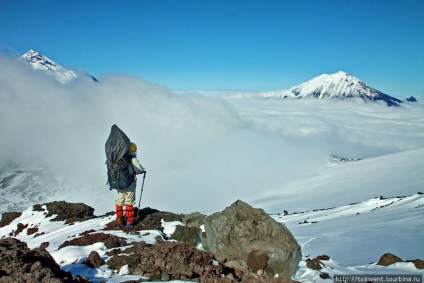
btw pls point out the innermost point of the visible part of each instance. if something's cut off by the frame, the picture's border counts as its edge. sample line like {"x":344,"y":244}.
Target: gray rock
{"x":169,"y":217}
{"x":94,"y":260}
{"x":240,"y":228}
{"x":186,"y":234}
{"x":194,"y":219}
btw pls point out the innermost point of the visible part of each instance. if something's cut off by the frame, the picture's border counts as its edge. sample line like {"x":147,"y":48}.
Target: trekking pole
{"x":141,"y":192}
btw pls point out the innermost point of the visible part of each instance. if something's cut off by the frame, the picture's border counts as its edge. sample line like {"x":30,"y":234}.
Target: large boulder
{"x":239,"y":229}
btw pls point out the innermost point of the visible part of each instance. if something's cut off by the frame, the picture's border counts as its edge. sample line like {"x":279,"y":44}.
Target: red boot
{"x":119,"y":213}
{"x":130,"y":214}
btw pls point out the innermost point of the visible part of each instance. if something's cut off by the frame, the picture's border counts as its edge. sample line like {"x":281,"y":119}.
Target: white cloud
{"x":199,"y":152}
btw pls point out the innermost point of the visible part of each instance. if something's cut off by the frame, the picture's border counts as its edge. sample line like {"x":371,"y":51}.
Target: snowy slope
{"x":22,"y":187}
{"x":391,"y":175}
{"x":340,"y":85}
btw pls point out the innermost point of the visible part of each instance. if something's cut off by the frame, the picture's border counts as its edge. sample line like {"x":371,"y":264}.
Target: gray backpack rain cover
{"x":116,"y":145}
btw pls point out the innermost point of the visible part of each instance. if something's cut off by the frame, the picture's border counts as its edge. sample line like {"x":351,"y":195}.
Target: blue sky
{"x":240,"y":45}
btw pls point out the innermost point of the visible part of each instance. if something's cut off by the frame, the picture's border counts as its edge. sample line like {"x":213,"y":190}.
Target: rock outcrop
{"x":268,"y":247}
{"x":18,"y":263}
{"x":389,"y":258}
{"x":8,"y":217}
{"x":65,"y":211}
{"x":411,"y":99}
{"x":110,"y":241}
{"x":168,"y":260}
{"x":239,"y":229}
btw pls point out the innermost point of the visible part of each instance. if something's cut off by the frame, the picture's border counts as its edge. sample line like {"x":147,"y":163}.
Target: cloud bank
{"x":201,"y":152}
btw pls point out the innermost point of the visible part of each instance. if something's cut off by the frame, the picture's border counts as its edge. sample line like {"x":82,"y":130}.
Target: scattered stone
{"x":388,"y":259}
{"x":240,"y":228}
{"x":268,"y":270}
{"x":220,"y":257}
{"x":307,"y":222}
{"x":419,"y":263}
{"x":238,"y":267}
{"x":82,"y":278}
{"x":180,"y":261}
{"x":44,"y":245}
{"x":87,"y":232}
{"x":94,"y":260}
{"x":324,"y":275}
{"x":39,"y":234}
{"x":257,"y":260}
{"x":322,"y":257}
{"x":314,"y":264}
{"x":21,"y":227}
{"x":31,"y":231}
{"x":8,"y":217}
{"x":110,"y":241}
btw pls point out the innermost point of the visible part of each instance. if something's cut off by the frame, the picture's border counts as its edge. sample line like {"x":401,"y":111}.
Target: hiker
{"x":126,"y":196}
{"x":122,"y":168}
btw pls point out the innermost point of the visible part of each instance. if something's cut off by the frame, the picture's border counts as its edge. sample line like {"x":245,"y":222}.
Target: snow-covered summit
{"x":341,"y":85}
{"x":41,"y":62}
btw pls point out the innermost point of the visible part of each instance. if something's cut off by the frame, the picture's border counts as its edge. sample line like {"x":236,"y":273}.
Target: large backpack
{"x":118,"y":160}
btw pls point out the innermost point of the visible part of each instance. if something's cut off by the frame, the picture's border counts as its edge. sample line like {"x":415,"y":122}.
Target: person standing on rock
{"x":126,"y":196}
{"x":123,"y":167}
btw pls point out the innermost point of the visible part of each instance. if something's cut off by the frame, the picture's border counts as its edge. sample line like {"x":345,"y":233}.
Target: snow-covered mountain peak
{"x":41,"y":62}
{"x":340,"y":85}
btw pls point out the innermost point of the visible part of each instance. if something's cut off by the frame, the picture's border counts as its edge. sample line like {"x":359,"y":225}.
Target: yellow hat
{"x":133,"y":147}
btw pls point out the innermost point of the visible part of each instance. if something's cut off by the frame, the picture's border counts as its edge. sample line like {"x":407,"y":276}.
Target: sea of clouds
{"x":201,"y":152}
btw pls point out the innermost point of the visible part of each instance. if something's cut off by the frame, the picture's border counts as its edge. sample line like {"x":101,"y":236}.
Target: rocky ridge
{"x":179,"y":255}
{"x":198,"y":249}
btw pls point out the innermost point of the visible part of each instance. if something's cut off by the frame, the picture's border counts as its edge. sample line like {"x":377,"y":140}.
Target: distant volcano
{"x":340,"y":85}
{"x":40,"y":62}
